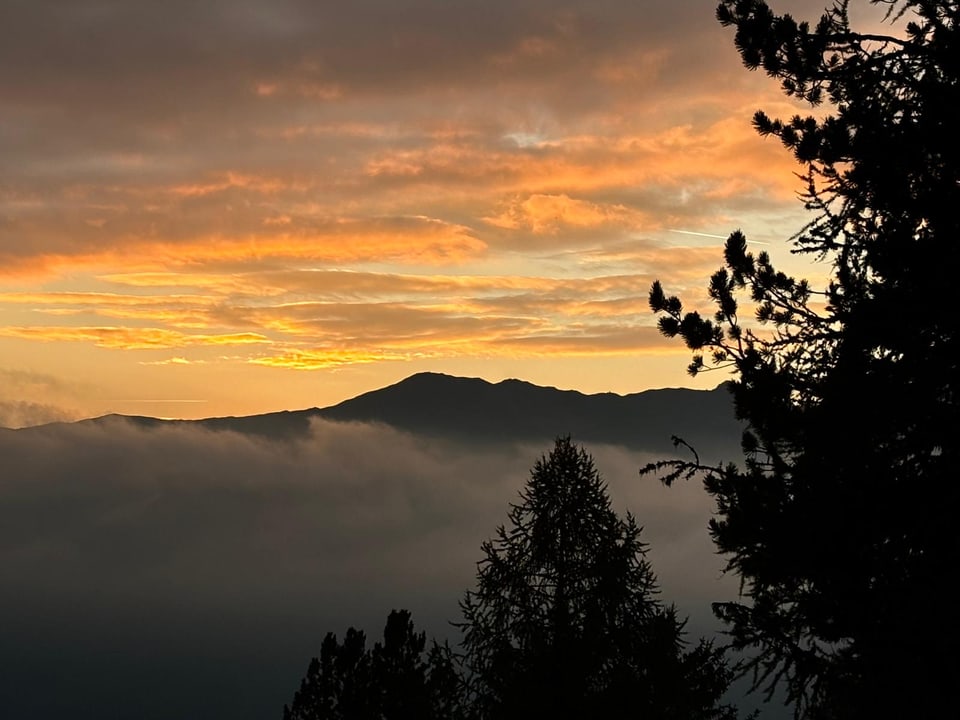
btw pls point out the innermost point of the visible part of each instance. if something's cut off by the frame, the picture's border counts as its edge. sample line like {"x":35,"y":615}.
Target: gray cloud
{"x":367,"y":110}
{"x":130,"y":46}
{"x":23,"y":413}
{"x":33,"y":398}
{"x":220,"y":561}
{"x":176,"y":83}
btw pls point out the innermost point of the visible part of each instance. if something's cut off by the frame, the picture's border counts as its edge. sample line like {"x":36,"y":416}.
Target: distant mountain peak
{"x":473,"y":409}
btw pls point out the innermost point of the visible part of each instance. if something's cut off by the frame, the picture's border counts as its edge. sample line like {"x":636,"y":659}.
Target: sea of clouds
{"x":180,"y":572}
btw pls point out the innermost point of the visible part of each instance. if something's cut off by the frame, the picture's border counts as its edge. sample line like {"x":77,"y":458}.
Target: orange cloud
{"x":551,"y":214}
{"x":98,"y":299}
{"x":588,"y":162}
{"x":402,"y":240}
{"x":128,"y":338}
{"x":325,"y":359}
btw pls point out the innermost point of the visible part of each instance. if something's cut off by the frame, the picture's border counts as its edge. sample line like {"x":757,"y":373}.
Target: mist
{"x":181,"y":572}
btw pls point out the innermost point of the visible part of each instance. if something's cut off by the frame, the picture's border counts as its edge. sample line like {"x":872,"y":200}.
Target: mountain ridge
{"x":512,"y":410}
{"x":477,"y":410}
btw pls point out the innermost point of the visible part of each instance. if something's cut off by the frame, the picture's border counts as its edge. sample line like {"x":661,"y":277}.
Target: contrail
{"x":700,"y":234}
{"x":711,"y":235}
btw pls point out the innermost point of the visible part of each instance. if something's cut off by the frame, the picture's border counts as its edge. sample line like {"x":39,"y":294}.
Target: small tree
{"x":393,"y":681}
{"x":565,"y":621}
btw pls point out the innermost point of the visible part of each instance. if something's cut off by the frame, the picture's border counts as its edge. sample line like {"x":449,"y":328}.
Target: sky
{"x":238,"y":206}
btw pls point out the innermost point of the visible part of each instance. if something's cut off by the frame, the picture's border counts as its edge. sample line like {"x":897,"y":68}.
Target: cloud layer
{"x":179,"y":572}
{"x":294,"y":186}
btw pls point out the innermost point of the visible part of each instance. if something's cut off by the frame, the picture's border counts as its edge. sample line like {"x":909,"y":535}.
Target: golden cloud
{"x":551,"y":214}
{"x":325,"y":359}
{"x":403,"y":240}
{"x":129,"y":338}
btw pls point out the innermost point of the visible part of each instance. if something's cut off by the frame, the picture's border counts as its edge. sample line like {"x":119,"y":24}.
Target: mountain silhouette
{"x":474,"y":409}
{"x":478,"y":411}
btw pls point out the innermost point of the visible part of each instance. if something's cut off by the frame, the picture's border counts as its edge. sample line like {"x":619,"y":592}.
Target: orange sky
{"x":236,"y":207}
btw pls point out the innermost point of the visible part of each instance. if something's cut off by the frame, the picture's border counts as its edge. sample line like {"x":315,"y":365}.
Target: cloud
{"x":325,"y":359}
{"x":159,"y":238}
{"x":223,"y":559}
{"x":120,"y":338}
{"x":371,"y":47}
{"x":34,"y":398}
{"x":23,"y":413}
{"x":329,"y":318}
{"x":179,"y":175}
{"x":551,"y":214}
{"x":158,"y":139}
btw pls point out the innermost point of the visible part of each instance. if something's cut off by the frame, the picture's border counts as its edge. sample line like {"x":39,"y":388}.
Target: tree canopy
{"x":840,"y":518}
{"x":565,"y":620}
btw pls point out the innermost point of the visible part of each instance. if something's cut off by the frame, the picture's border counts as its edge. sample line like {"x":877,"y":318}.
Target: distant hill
{"x":474,"y":410}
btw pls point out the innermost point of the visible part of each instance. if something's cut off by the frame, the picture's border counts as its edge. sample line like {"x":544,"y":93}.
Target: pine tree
{"x":565,"y":620}
{"x":840,"y":519}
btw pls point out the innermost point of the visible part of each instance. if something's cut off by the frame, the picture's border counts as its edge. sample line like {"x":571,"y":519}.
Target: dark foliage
{"x":840,"y":521}
{"x":396,"y":680}
{"x":565,"y":621}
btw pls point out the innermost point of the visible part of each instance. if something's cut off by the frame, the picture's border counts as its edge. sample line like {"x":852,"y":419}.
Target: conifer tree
{"x":840,"y":518}
{"x":565,"y":620}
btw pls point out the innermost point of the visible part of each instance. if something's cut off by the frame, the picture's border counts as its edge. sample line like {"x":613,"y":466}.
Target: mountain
{"x":474,"y":409}
{"x":477,"y":411}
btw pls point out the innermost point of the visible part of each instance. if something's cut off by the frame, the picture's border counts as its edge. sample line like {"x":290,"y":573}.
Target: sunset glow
{"x":243,"y":207}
